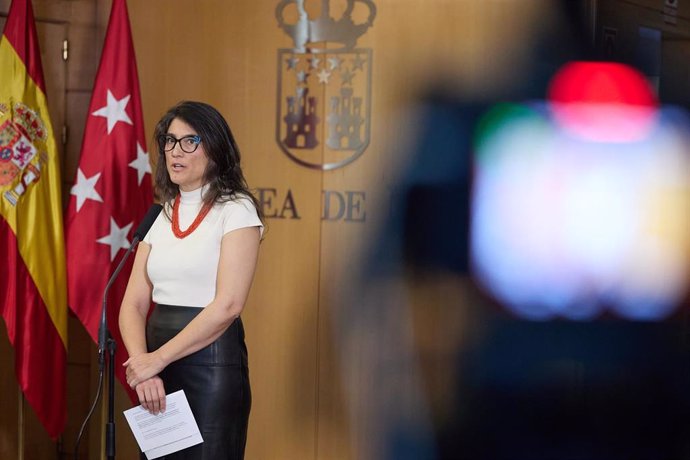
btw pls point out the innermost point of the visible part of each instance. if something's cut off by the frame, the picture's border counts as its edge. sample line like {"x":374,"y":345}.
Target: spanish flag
{"x":33,"y":290}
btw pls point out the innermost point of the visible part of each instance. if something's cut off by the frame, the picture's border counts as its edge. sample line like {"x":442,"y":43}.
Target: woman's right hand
{"x":151,"y":394}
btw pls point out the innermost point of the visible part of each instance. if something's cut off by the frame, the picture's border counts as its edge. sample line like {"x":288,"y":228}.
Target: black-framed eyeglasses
{"x":188,"y":144}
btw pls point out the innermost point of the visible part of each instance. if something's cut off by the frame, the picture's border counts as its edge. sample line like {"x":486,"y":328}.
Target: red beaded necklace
{"x":176,"y":218}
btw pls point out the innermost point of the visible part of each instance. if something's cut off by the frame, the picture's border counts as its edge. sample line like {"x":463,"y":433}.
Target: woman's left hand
{"x":142,"y":367}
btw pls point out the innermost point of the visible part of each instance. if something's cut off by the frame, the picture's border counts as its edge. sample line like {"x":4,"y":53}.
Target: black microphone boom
{"x":139,"y":235}
{"x":147,"y":221}
{"x":104,"y":338}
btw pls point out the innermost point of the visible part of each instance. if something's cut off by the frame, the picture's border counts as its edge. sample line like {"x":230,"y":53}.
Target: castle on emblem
{"x":324,"y":63}
{"x":301,"y":121}
{"x":345,"y":121}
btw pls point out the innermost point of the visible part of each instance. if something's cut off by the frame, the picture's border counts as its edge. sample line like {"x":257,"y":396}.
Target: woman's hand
{"x":142,"y":367}
{"x":151,"y":394}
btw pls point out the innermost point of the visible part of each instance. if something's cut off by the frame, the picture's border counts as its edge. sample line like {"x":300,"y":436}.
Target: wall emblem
{"x":324,"y":85}
{"x":22,"y":133}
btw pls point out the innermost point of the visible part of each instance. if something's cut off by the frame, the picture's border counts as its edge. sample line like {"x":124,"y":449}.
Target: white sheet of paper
{"x":165,"y":433}
{"x":174,"y":446}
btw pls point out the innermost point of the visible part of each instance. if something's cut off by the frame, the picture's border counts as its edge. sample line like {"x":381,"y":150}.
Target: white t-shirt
{"x":183,"y":271}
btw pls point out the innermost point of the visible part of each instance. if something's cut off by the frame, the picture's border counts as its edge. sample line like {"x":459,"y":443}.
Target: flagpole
{"x":20,"y":434}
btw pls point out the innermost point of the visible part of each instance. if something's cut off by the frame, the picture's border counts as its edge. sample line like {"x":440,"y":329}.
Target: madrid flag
{"x":33,"y":294}
{"x":112,"y":190}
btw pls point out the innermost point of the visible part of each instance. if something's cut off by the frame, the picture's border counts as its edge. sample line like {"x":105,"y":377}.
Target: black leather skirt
{"x":215,"y":380}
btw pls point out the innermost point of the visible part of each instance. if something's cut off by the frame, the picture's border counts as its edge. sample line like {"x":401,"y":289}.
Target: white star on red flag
{"x":85,"y":189}
{"x":141,"y":164}
{"x":114,"y":111}
{"x":117,"y":238}
{"x":113,"y":156}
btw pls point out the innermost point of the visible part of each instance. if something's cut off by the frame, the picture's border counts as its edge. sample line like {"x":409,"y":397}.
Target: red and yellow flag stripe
{"x":32,"y":267}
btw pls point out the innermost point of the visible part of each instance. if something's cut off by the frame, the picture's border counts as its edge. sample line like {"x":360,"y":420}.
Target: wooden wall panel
{"x":9,"y":401}
{"x":675,"y":71}
{"x":319,"y":339}
{"x":227,"y":58}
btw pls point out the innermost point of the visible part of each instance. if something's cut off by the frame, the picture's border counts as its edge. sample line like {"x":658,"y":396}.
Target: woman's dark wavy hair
{"x":223,"y":173}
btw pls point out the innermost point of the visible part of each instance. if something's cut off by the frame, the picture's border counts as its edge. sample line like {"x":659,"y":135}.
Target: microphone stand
{"x":106,"y":341}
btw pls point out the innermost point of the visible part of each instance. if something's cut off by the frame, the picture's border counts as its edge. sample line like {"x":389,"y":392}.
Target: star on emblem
{"x":292,"y":62}
{"x":85,"y":189}
{"x":314,"y":62}
{"x":347,"y":77}
{"x":114,"y":111}
{"x":358,"y":63}
{"x":302,"y":76}
{"x":141,"y":164}
{"x":334,"y":62}
{"x":117,"y":239}
{"x":323,"y":75}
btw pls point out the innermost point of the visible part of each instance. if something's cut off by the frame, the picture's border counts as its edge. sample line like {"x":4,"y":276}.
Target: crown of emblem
{"x":28,"y":121}
{"x":343,"y":31}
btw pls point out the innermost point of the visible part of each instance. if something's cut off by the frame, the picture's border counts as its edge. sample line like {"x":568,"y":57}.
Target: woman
{"x":197,"y":263}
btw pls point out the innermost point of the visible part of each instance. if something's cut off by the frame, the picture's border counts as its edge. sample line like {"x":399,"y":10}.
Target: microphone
{"x":139,"y":235}
{"x":147,"y":222}
{"x":103,"y":336}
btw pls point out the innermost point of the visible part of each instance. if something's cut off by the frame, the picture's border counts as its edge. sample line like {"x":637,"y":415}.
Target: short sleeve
{"x":241,"y":213}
